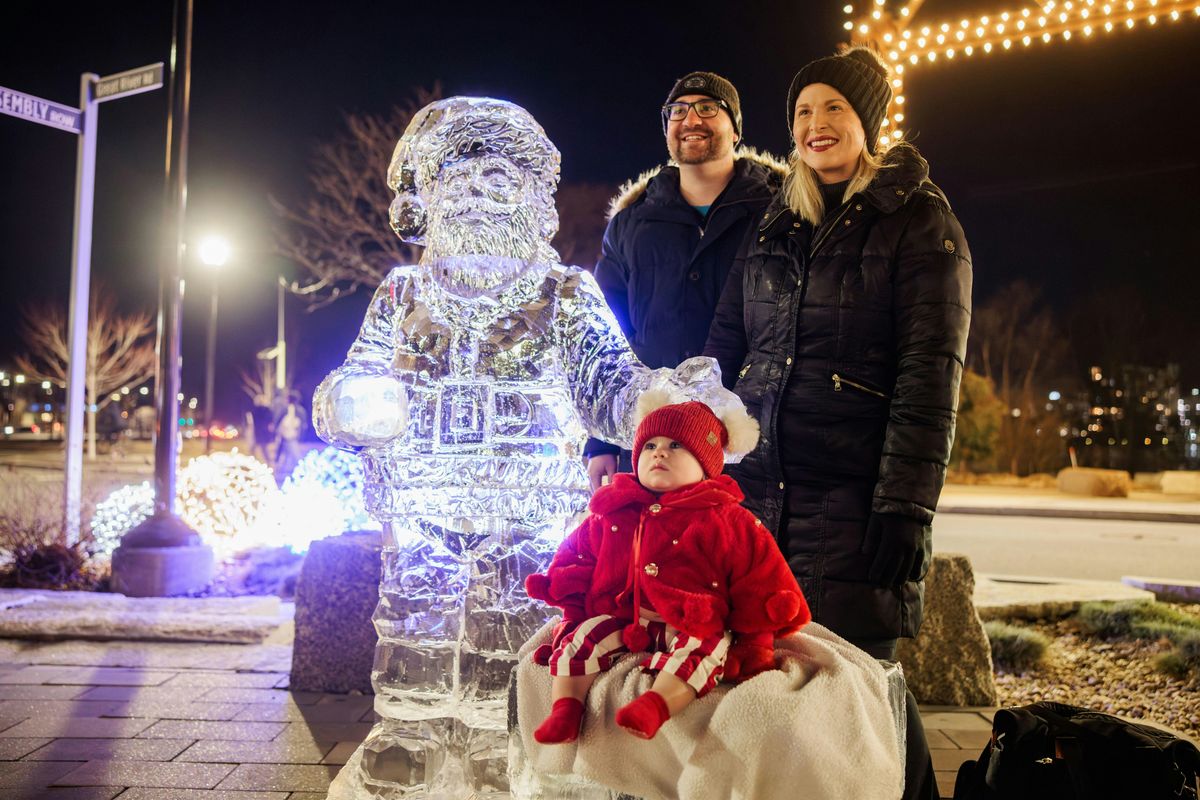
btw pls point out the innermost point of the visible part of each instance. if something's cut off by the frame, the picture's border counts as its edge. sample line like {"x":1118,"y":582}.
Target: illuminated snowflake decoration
{"x":117,"y":513}
{"x":339,"y":473}
{"x":322,"y":497}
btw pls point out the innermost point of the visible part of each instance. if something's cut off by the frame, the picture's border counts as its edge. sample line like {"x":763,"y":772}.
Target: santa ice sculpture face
{"x":475,"y":177}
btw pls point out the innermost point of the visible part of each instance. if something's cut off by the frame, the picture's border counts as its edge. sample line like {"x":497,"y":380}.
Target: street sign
{"x":131,"y":81}
{"x":45,"y":112}
{"x":84,"y":121}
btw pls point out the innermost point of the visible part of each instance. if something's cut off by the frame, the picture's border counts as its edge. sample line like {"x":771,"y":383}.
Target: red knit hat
{"x":694,"y":426}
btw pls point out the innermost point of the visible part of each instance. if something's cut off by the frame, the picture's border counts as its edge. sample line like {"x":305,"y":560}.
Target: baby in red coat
{"x":669,"y":562}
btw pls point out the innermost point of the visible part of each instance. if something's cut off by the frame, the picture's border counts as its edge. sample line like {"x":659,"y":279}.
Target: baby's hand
{"x":748,"y":657}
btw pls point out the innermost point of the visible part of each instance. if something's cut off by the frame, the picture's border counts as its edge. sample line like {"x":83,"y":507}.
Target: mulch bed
{"x":1114,"y":675}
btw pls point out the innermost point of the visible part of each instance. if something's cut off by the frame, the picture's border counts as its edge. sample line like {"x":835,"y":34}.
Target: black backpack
{"x":1051,"y":750}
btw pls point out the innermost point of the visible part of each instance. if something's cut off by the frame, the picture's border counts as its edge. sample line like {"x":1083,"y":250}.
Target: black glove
{"x":895,"y":544}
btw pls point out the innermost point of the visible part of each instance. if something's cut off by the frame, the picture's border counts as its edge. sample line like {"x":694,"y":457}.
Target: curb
{"x":1075,"y":513}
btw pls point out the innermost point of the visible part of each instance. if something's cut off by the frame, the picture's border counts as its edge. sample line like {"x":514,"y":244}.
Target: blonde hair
{"x":802,"y":190}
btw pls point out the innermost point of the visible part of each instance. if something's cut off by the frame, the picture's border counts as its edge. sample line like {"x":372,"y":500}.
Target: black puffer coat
{"x":847,"y":343}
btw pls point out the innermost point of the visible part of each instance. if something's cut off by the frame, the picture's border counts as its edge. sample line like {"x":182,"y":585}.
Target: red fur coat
{"x":703,"y":562}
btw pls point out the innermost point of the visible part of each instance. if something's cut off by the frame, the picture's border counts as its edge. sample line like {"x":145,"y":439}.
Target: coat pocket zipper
{"x":745,"y":369}
{"x":838,"y":380}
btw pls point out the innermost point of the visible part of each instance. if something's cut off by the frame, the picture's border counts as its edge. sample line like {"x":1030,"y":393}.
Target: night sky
{"x":1072,"y":165}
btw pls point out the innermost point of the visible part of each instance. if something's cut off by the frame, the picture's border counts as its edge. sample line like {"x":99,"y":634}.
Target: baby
{"x":666,"y":562}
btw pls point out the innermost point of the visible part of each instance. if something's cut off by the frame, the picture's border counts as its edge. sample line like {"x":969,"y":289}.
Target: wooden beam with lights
{"x":906,"y":45}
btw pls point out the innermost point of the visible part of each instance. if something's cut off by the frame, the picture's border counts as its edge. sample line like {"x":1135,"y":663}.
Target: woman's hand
{"x":896,"y":543}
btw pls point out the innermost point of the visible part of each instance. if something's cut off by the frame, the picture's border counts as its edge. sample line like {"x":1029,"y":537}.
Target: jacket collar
{"x":625,"y":491}
{"x":755,"y":177}
{"x":904,"y":172}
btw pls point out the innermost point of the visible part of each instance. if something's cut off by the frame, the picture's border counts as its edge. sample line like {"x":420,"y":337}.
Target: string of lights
{"x":892,"y":32}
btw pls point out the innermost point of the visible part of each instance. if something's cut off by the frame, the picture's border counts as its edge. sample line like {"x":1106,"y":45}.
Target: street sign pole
{"x":81,"y":259}
{"x":93,"y":90}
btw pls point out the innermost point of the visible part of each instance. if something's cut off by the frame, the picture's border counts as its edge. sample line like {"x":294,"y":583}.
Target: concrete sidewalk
{"x":1014,"y":501}
{"x":174,"y":721}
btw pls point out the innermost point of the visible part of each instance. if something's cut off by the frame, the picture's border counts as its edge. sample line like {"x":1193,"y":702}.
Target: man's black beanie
{"x":861,"y":78}
{"x":709,"y":84}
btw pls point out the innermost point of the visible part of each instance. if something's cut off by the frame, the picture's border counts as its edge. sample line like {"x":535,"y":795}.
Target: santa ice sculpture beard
{"x":474,"y":381}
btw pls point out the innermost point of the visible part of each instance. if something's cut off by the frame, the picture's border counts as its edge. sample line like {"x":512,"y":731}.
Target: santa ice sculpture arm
{"x":362,"y":403}
{"x":605,"y":377}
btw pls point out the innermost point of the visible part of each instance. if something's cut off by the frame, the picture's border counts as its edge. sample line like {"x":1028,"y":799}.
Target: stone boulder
{"x":950,"y":661}
{"x":335,"y":597}
{"x":1095,"y":482}
{"x":1178,"y":481}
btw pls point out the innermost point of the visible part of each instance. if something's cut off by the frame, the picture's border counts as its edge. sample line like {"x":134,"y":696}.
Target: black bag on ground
{"x":1051,"y":750}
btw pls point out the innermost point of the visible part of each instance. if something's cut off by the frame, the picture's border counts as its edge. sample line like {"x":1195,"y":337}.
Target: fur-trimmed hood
{"x":904,"y":171}
{"x":630,"y":191}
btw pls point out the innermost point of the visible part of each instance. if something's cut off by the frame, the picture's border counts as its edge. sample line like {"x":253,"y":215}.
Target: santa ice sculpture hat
{"x":712,"y":439}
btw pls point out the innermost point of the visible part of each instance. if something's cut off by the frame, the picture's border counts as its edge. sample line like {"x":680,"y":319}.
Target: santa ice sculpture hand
{"x":474,"y":381}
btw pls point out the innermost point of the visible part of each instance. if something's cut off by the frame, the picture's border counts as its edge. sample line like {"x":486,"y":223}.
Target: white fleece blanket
{"x":819,"y":728}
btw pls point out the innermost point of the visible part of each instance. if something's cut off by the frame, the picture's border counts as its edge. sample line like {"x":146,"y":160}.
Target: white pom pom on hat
{"x":712,"y":437}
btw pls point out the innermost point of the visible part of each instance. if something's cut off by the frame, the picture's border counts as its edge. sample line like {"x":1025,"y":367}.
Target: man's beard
{"x":714,"y":148}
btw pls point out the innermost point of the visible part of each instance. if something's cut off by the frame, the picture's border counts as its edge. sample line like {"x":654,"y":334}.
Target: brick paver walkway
{"x":142,"y":721}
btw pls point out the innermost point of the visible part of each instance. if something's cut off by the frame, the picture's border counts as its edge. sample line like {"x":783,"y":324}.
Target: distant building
{"x":29,"y":407}
{"x":1137,"y":418}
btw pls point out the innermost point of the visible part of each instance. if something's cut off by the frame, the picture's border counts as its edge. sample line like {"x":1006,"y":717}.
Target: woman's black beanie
{"x":861,"y":78}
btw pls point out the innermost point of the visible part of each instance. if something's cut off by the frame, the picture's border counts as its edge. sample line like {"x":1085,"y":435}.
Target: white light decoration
{"x":322,"y":497}
{"x":222,"y":496}
{"x":118,"y":513}
{"x":1055,"y":21}
{"x":232,"y":501}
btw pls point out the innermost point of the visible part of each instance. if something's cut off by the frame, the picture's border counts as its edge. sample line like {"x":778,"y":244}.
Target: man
{"x":675,"y":231}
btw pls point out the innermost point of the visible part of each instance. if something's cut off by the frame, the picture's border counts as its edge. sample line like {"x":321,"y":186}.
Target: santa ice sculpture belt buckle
{"x":470,"y":414}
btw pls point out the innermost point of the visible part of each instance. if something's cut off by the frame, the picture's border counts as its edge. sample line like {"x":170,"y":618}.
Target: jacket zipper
{"x":828,"y":230}
{"x":714,"y":210}
{"x":745,"y":369}
{"x":838,"y":380}
{"x":772,"y":221}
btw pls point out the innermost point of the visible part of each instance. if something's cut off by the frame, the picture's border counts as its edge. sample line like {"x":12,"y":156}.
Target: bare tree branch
{"x":1018,"y":345}
{"x":120,"y":351}
{"x":340,"y":235}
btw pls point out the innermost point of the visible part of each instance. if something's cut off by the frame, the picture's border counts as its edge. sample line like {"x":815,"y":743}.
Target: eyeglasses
{"x":705,"y":109}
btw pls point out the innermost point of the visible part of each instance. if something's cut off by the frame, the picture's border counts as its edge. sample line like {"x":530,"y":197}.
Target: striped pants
{"x":596,"y":644}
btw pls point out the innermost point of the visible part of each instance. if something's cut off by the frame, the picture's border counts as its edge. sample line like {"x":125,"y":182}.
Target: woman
{"x":843,"y":328}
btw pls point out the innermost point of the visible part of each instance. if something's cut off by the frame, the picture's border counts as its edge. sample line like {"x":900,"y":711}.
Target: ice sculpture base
{"x":401,"y":760}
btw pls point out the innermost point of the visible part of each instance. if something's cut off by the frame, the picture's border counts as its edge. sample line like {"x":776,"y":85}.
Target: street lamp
{"x":214,"y":252}
{"x":162,"y":556}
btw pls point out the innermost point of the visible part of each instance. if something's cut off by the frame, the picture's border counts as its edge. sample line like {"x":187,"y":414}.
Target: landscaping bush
{"x":1188,"y":649}
{"x":34,"y":553}
{"x":1141,"y":620}
{"x":1014,"y":647}
{"x":1148,"y":620}
{"x":50,"y":566}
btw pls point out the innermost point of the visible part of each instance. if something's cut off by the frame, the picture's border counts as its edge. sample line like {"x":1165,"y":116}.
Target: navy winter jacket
{"x":663,"y":266}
